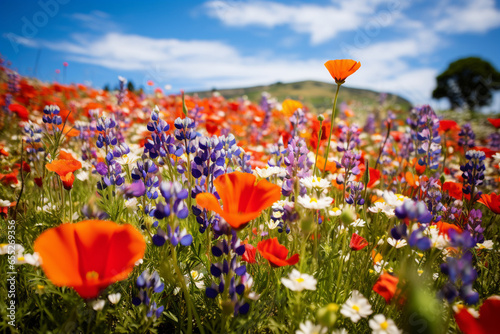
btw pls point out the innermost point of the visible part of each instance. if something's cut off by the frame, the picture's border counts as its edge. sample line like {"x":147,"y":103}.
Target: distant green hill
{"x":316,"y":95}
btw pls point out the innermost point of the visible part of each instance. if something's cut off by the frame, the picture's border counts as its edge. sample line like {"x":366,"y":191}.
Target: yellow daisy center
{"x":355,"y":308}
{"x":384,"y":325}
{"x":194,"y":274}
{"x":313,"y":200}
{"x":92,"y":276}
{"x":300,"y":279}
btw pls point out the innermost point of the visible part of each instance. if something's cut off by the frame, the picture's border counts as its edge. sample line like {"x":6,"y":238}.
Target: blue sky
{"x":402,"y":44}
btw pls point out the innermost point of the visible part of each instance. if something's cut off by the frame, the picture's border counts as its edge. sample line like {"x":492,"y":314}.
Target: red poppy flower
{"x":68,"y":180}
{"x":249,"y":255}
{"x":454,"y":189}
{"x":11,"y":178}
{"x":495,"y":122}
{"x":444,"y":228}
{"x":242,"y":199}
{"x":374,"y":177}
{"x":487,"y":323}
{"x":340,"y":69}
{"x":386,"y":286}
{"x":89,"y":255}
{"x":447,"y":125}
{"x":20,"y":110}
{"x":492,"y":201}
{"x":357,"y":242}
{"x":276,"y":253}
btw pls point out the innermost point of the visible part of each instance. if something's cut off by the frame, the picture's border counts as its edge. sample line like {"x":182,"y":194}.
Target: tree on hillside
{"x":468,"y":83}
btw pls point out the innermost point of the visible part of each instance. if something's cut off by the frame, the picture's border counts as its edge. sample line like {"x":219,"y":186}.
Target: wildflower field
{"x":125,"y":212}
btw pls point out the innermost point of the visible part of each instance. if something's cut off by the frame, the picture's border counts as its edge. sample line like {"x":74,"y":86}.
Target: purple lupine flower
{"x":460,"y":271}
{"x":298,"y":120}
{"x":349,"y":138}
{"x":51,"y":116}
{"x":228,"y":265}
{"x":474,"y":225}
{"x":494,"y":141}
{"x":122,"y":91}
{"x":414,"y":210}
{"x":350,"y":161}
{"x":135,"y":189}
{"x":370,"y":124}
{"x":466,"y":137}
{"x":428,"y":135}
{"x":354,"y":189}
{"x":473,"y":173}
{"x":149,"y":285}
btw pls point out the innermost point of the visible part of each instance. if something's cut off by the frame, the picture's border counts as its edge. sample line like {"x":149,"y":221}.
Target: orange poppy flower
{"x":331,"y":166}
{"x":242,"y":199}
{"x":454,"y":189}
{"x":340,"y":69}
{"x":276,"y":253}
{"x":63,"y":166}
{"x":444,"y":228}
{"x":67,"y":180}
{"x":89,"y":255}
{"x":386,"y":286}
{"x":492,"y":201}
{"x":290,"y":106}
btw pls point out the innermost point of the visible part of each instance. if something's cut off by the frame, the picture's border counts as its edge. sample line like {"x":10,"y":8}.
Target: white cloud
{"x":205,"y":64}
{"x":322,"y":23}
{"x":477,"y":16}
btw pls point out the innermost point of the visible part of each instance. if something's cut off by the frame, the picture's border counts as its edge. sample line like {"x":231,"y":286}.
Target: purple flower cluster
{"x":355,"y":189}
{"x":466,"y":137}
{"x":51,"y":116}
{"x":428,"y":136}
{"x":349,"y":138}
{"x":229,"y":267}
{"x":473,"y":173}
{"x":474,"y":225}
{"x":414,"y":211}
{"x":297,"y":164}
{"x":145,"y":172}
{"x":122,"y":91}
{"x":149,"y":284}
{"x":350,"y":161}
{"x":460,"y":271}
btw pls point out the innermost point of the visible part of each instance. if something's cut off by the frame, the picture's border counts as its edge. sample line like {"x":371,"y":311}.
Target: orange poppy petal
{"x":57,"y":246}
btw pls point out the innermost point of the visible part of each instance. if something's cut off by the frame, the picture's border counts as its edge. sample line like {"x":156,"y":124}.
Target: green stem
{"x":334,"y":110}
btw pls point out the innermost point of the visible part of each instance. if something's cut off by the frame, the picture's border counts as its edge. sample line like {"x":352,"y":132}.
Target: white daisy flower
{"x":340,"y":331}
{"x":198,"y":279}
{"x":298,"y":281}
{"x":316,"y":183}
{"x":114,"y":298}
{"x":5,"y":248}
{"x":98,"y":305}
{"x":380,"y":325}
{"x":314,"y":203}
{"x":358,"y":223}
{"x":32,"y":259}
{"x":269,"y":171}
{"x":4,"y":203}
{"x":309,"y":328}
{"x":486,"y":244}
{"x":396,"y":243}
{"x":356,"y":307}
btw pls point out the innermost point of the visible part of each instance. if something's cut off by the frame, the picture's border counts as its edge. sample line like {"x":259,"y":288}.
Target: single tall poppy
{"x":89,"y":255}
{"x":357,"y":242}
{"x":386,"y":286}
{"x":276,"y":253}
{"x":242,"y":199}
{"x":65,"y":168}
{"x":340,"y":69}
{"x":492,"y":201}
